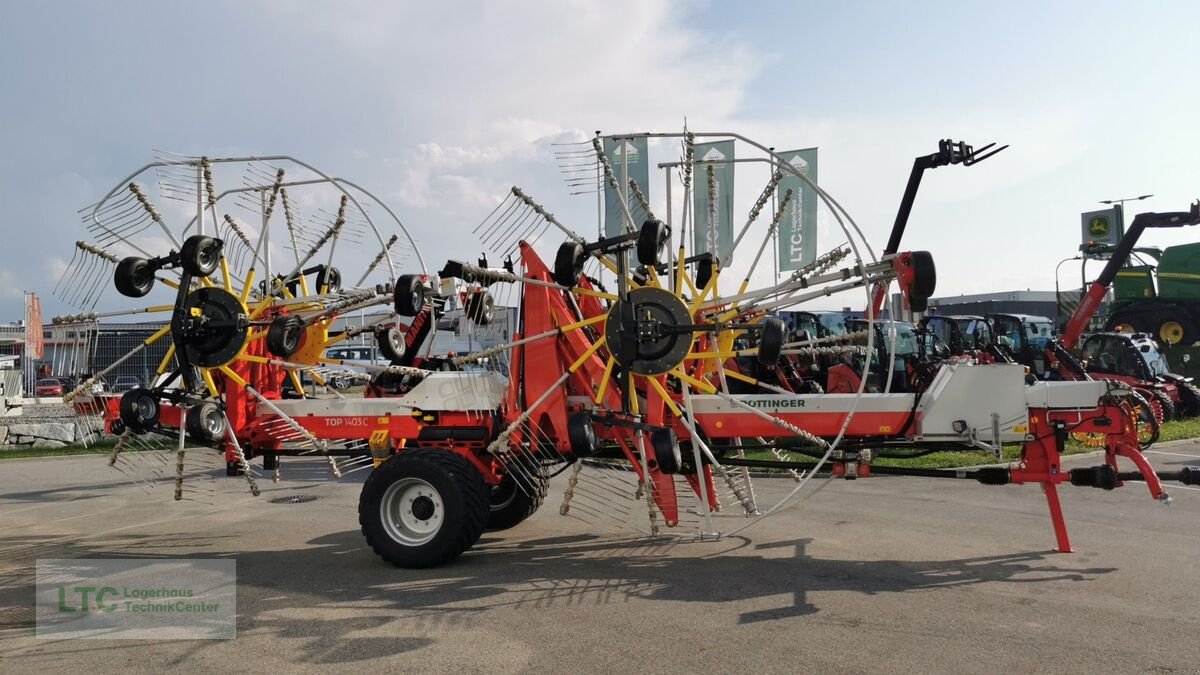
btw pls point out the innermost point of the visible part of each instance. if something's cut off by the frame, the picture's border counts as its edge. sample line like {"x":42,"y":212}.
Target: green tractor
{"x":1161,"y":300}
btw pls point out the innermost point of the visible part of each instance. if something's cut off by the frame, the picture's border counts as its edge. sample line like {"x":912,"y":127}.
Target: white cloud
{"x":11,"y":287}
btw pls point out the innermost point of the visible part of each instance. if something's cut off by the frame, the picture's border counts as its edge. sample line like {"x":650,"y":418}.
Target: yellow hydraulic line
{"x":593,"y":293}
{"x":206,"y":374}
{"x":586,"y":355}
{"x":303,"y":285}
{"x":699,"y":384}
{"x":652,"y":276}
{"x":158,"y":334}
{"x":334,"y":340}
{"x":317,"y":378}
{"x":738,"y":376}
{"x":234,"y":376}
{"x":633,"y":402}
{"x":166,"y":362}
{"x":701,"y":356}
{"x":701,"y":294}
{"x":256,"y":335}
{"x":253,"y":358}
{"x":679,"y":273}
{"x":262,"y":307}
{"x":295,"y":378}
{"x":205,"y":281}
{"x":168,"y":282}
{"x":608,"y":368}
{"x":687,"y":278}
{"x":665,"y":396}
{"x":225,"y":273}
{"x":586,"y":322}
{"x":249,"y":283}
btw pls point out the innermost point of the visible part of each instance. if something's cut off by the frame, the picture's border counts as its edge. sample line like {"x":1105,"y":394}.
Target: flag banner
{"x":798,"y":224}
{"x":713,"y":217}
{"x":34,"y":343}
{"x":627,"y":156}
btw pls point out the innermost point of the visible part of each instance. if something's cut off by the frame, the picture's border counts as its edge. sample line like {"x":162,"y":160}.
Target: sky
{"x":440,"y":107}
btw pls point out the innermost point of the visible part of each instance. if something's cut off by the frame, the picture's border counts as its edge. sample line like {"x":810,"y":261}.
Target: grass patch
{"x":1180,"y":430}
{"x":98,"y":448}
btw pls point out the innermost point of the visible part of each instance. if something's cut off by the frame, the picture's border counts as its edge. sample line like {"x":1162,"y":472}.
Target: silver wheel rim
{"x":401,"y":510}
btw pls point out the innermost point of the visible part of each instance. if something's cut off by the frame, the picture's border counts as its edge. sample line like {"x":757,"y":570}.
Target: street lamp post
{"x":1057,"y":297}
{"x":1119,"y":205}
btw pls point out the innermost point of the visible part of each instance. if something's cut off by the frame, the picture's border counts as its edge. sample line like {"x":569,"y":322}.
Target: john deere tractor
{"x":1162,"y":301}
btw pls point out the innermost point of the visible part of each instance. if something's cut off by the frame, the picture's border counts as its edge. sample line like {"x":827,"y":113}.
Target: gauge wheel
{"x":422,"y":508}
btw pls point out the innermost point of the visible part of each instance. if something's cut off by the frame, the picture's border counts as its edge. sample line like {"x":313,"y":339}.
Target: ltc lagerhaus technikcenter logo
{"x":109,"y":599}
{"x":137,"y":598}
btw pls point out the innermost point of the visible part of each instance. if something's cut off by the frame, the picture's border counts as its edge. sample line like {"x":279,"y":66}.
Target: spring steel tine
{"x":378,"y":258}
{"x":525,"y":217}
{"x":275,"y":195}
{"x":489,"y":219}
{"x":240,"y":457}
{"x":153,"y":212}
{"x":318,"y":443}
{"x":756,"y":210}
{"x":514,"y":212}
{"x":574,"y":236}
{"x":641,"y":199}
{"x":689,"y":153}
{"x":121,"y":201}
{"x":206,"y":168}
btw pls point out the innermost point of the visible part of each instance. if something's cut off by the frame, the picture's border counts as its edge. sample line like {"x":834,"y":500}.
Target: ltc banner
{"x":714,"y":228}
{"x":630,"y":153}
{"x":798,"y":225}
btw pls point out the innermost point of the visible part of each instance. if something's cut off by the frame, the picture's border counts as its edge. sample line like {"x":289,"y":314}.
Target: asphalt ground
{"x":879,"y":575}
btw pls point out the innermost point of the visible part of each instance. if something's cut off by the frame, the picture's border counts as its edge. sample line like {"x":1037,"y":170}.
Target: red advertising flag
{"x":35,"y":347}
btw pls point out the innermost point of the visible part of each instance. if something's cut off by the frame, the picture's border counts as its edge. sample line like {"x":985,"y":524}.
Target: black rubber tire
{"x":651,"y":240}
{"x":1189,"y":400}
{"x":270,"y":460}
{"x":581,"y":433}
{"x":139,"y":410}
{"x":200,"y":255}
{"x":284,"y":335}
{"x":705,"y":268}
{"x":481,"y":308}
{"x":465,"y":509}
{"x":924,"y":281}
{"x":133,"y":277}
{"x":568,"y":263}
{"x":1169,"y":410}
{"x":510,"y":504}
{"x":770,"y":342}
{"x":391,"y":343}
{"x":667,"y":455}
{"x":1187,"y":331}
{"x":205,"y":423}
{"x":330,"y":277}
{"x":1148,"y":418}
{"x":409,"y":295}
{"x":116,"y":427}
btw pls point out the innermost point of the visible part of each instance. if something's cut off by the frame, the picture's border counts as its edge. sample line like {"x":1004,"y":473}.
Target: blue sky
{"x":439,"y":107}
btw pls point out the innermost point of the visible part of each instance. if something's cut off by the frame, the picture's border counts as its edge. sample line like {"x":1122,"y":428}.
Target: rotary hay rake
{"x":658,"y":397}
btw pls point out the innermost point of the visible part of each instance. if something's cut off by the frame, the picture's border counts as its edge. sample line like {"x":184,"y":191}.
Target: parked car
{"x":125,"y":383}
{"x":48,"y":387}
{"x":354,"y":358}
